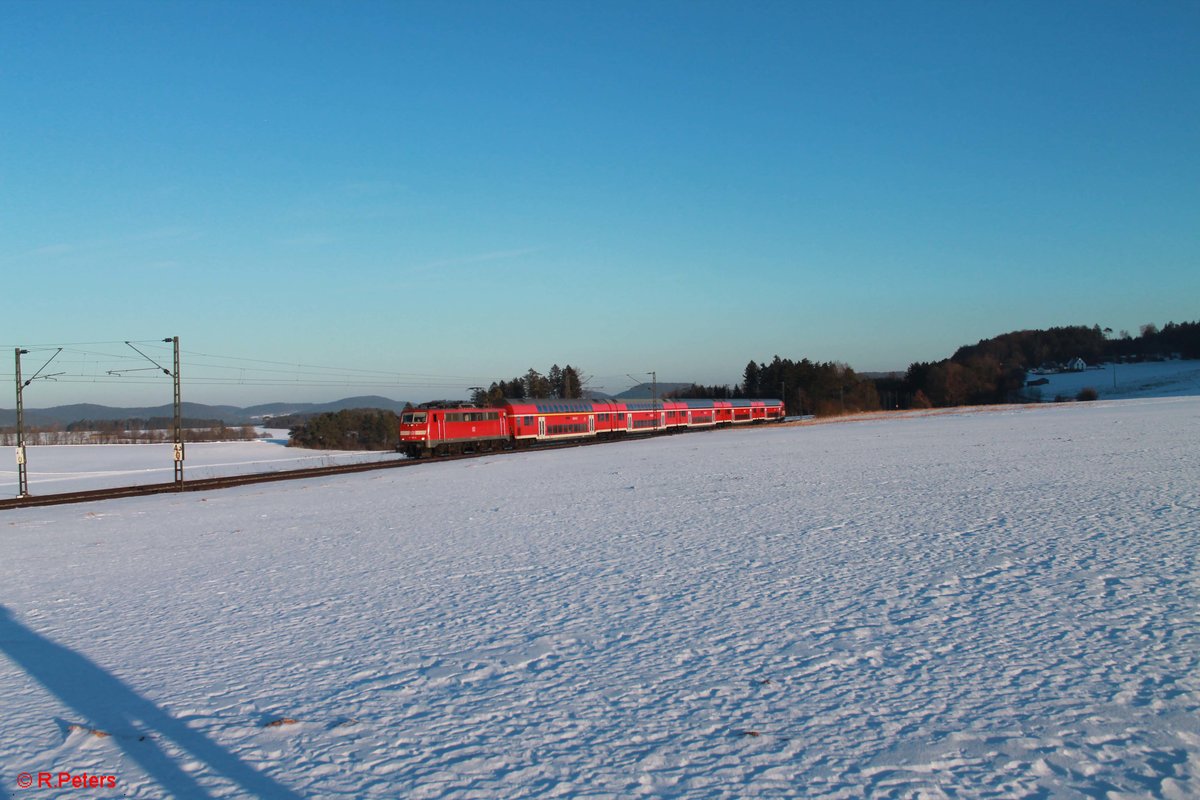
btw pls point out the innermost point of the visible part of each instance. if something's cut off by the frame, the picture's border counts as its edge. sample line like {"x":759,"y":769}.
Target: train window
{"x":558,"y":430}
{"x":471,"y":416}
{"x":526,"y":420}
{"x":413,"y":418}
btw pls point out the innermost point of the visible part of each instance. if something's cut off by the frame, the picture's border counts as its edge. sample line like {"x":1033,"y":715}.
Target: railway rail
{"x":230,"y":481}
{"x":195,"y":485}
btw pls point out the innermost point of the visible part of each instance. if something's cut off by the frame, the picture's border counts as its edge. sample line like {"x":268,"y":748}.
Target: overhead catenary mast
{"x":22,"y":474}
{"x":22,"y":464}
{"x":177,"y":425}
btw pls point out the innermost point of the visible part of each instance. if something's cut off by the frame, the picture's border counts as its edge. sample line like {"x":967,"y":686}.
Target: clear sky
{"x":442,"y":194}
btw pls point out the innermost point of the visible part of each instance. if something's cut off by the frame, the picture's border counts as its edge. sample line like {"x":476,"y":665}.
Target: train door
{"x":591,"y":423}
{"x":541,"y":427}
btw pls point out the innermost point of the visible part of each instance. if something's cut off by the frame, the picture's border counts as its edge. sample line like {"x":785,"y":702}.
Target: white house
{"x":1076,"y":364}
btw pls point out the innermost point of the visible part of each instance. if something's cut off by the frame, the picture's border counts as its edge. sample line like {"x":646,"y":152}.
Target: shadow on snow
{"x":108,"y":705}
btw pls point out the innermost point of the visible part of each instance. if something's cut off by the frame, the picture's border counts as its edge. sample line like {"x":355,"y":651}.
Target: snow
{"x":998,"y":603}
{"x":1140,"y":380}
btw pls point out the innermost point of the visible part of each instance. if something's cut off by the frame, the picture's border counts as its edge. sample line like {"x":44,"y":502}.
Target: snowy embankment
{"x":66,"y":468}
{"x":992,"y":604}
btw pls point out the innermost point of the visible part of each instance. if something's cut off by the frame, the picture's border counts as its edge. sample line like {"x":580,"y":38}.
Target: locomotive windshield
{"x":413,"y":418}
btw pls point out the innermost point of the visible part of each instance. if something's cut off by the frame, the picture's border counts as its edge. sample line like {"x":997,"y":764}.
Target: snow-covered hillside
{"x":1000,"y":603}
{"x":1123,"y":381}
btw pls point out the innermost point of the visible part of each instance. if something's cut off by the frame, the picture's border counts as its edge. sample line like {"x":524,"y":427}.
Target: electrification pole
{"x":178,"y":427}
{"x":22,"y":474}
{"x":22,"y":470}
{"x":653,"y":394}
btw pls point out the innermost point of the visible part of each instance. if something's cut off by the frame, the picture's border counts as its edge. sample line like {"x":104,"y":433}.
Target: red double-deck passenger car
{"x":518,"y":423}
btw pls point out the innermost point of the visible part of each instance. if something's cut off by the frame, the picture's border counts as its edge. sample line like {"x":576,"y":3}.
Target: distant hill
{"x":230,"y":415}
{"x":645,"y":390}
{"x":366,"y":401}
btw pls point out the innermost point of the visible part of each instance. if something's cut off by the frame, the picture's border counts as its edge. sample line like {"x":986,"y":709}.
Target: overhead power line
{"x":95,"y":363}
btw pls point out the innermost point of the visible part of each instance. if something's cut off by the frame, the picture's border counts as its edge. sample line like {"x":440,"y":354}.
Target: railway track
{"x":197,"y":485}
{"x":210,"y":484}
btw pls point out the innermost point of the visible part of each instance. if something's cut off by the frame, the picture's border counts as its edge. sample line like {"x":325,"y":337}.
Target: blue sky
{"x":441,"y":194}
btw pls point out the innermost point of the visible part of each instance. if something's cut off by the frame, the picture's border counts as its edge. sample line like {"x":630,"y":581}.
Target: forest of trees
{"x":564,"y":383}
{"x":352,"y":429}
{"x":140,"y":424}
{"x":700,"y":392}
{"x":994,"y":370}
{"x":990,"y":371}
{"x":821,"y":388}
{"x":1182,"y":339}
{"x":806,"y":387}
{"x":129,"y":431}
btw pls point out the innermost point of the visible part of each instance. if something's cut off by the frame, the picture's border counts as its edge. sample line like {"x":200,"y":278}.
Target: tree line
{"x":990,"y":371}
{"x":350,"y":429}
{"x":563,"y":383}
{"x":994,"y":370}
{"x":1182,"y":339}
{"x":141,"y":424}
{"x":806,"y":387}
{"x":128,"y":432}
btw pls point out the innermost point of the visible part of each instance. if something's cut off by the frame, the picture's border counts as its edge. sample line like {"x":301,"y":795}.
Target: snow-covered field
{"x":66,"y":468}
{"x":1124,"y":381}
{"x":1002,"y":603}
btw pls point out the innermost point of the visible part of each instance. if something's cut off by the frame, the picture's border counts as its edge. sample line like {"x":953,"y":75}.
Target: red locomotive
{"x":443,"y":430}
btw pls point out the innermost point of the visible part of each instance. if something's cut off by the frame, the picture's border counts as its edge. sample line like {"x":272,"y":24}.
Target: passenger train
{"x":441,"y":430}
